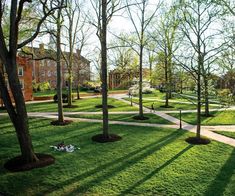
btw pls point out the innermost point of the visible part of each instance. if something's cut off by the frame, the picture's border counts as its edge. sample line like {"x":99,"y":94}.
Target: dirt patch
{"x":17,"y":164}
{"x":58,"y":123}
{"x":101,"y":106}
{"x":140,"y":117}
{"x":102,"y":139}
{"x":198,"y":141}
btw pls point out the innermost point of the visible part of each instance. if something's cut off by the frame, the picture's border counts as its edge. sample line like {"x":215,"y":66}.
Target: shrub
{"x":41,"y":86}
{"x":225,"y":96}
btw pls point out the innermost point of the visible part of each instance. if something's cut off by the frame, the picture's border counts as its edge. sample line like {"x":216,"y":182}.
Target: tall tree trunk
{"x":166,"y":78}
{"x":70,"y":88}
{"x":104,"y":69}
{"x":141,"y":114}
{"x":181,"y":86}
{"x":207,"y":112}
{"x":198,"y":134}
{"x":59,"y":68}
{"x":150,"y":70}
{"x":18,"y":115}
{"x":170,"y":78}
{"x":78,"y":93}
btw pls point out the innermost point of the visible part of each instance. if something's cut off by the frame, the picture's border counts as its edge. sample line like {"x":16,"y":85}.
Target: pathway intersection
{"x":205,"y":130}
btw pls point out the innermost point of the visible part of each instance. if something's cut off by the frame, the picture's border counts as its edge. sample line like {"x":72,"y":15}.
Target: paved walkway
{"x":205,"y":131}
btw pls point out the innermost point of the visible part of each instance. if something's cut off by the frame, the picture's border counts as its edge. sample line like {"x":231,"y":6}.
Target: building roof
{"x":41,"y":53}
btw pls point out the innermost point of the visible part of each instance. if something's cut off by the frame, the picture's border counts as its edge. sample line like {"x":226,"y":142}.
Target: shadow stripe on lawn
{"x":127,"y":161}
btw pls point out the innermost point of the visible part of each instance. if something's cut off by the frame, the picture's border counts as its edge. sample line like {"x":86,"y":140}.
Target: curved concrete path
{"x":205,"y":131}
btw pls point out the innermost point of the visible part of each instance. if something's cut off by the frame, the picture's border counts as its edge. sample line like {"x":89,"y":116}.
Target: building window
{"x":22,"y":84}
{"x":20,"y":71}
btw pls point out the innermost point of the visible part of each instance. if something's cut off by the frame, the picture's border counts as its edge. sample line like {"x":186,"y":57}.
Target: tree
{"x":199,"y":53}
{"x":104,"y":11}
{"x":57,"y":20}
{"x":165,"y":36}
{"x":76,"y":36}
{"x":138,"y":16}
{"x":8,"y":53}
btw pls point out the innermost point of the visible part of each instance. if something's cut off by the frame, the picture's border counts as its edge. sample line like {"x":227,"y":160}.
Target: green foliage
{"x":87,"y":85}
{"x":225,"y":96}
{"x":43,"y":86}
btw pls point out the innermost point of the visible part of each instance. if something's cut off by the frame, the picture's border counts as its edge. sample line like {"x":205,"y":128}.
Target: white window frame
{"x":22,"y":84}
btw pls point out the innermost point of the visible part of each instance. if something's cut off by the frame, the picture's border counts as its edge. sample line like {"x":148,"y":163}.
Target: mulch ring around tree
{"x":102,"y":139}
{"x":70,"y":106}
{"x":101,"y":106}
{"x":140,"y":117}
{"x":198,"y":141}
{"x":58,"y":123}
{"x":168,"y":106}
{"x":16,"y":164}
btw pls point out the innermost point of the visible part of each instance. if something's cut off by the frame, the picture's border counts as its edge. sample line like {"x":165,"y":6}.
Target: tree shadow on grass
{"x":154,"y":172}
{"x":110,"y":169}
{"x":218,"y":186}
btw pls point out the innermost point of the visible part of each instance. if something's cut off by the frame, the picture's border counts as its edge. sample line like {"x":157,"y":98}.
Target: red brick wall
{"x":26,"y":64}
{"x":26,"y":78}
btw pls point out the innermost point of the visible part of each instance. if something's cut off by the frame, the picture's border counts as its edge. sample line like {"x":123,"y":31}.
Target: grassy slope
{"x":226,"y":133}
{"x":176,"y":106}
{"x":219,"y":118}
{"x":53,"y":92}
{"x":87,"y":105}
{"x":127,"y":117}
{"x":148,"y":161}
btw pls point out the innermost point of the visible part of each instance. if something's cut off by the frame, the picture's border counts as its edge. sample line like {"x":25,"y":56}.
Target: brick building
{"x":44,"y":66}
{"x":25,"y":77}
{"x":122,"y":79}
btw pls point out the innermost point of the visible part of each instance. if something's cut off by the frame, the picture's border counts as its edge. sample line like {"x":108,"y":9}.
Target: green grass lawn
{"x":226,"y":133}
{"x":52,"y":92}
{"x":218,"y":118}
{"x":126,"y":117}
{"x":87,"y":105}
{"x":175,"y":97}
{"x":148,"y":161}
{"x":175,"y":106}
{"x":49,"y":93}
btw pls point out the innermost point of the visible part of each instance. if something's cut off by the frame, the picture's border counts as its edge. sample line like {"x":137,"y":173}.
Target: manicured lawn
{"x":218,"y":118}
{"x":87,"y":105}
{"x":49,"y":93}
{"x":126,"y":117}
{"x":176,"y":97}
{"x":148,"y":161}
{"x":226,"y":133}
{"x":175,"y":106}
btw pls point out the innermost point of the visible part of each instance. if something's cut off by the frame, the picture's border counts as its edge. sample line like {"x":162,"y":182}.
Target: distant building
{"x":45,"y":69}
{"x":24,"y":66}
{"x":122,"y":79}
